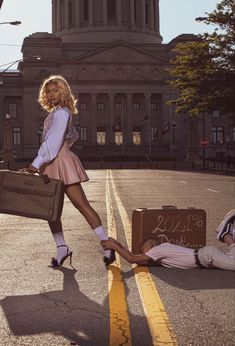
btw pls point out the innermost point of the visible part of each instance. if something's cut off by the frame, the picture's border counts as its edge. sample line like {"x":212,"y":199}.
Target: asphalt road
{"x":89,"y":305}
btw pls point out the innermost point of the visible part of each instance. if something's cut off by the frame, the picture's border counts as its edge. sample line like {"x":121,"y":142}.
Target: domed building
{"x":111,"y":53}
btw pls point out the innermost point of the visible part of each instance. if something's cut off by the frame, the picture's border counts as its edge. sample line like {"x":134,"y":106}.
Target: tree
{"x":203,"y":70}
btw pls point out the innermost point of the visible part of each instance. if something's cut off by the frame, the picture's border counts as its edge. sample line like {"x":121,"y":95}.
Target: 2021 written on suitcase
{"x":31,"y":195}
{"x":185,"y":227}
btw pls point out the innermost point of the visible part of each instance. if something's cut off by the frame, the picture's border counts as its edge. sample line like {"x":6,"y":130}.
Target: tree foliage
{"x":203,"y":70}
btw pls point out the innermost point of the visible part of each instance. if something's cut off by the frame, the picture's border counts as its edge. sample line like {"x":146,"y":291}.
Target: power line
{"x":8,"y":63}
{"x":10,"y":45}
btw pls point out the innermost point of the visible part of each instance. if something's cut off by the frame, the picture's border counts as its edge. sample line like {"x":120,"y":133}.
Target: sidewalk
{"x":182,"y":165}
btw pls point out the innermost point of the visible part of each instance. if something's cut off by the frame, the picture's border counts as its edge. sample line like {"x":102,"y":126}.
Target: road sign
{"x":204,"y":142}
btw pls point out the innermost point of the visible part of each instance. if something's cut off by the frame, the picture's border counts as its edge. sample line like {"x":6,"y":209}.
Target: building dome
{"x":102,"y":21}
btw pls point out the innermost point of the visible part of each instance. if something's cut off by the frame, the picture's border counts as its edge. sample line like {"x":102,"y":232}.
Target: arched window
{"x":111,"y":9}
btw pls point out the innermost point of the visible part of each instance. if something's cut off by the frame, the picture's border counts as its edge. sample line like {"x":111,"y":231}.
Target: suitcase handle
{"x":169,"y":207}
{"x":44,"y":177}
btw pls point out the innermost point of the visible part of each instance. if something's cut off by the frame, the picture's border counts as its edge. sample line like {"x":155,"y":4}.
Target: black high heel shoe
{"x":110,"y":260}
{"x":55,"y":263}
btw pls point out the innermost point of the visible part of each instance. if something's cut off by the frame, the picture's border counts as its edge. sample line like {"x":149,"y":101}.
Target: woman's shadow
{"x":68,"y":312}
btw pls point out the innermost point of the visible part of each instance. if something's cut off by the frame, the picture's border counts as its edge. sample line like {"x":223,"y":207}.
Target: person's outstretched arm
{"x":124,"y":252}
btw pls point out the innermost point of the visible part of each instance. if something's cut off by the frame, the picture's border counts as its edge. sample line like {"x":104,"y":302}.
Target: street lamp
{"x":15,"y":22}
{"x":221,"y":142}
{"x":227,"y":152}
{"x":7,"y":141}
{"x":173,"y":125}
{"x":36,"y":57}
{"x":201,"y":19}
{"x":173,"y":128}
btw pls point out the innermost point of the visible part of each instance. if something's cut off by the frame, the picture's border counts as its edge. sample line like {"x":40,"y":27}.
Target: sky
{"x":176,"y":17}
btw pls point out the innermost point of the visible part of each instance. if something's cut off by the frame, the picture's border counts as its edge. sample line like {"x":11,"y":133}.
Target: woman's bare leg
{"x":56,"y":226}
{"x":77,"y":196}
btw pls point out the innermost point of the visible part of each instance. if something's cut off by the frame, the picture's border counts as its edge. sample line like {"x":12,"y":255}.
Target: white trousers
{"x":212,"y":257}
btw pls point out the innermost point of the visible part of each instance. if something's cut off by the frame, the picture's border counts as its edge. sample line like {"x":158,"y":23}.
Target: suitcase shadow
{"x":68,"y":313}
{"x":191,"y":279}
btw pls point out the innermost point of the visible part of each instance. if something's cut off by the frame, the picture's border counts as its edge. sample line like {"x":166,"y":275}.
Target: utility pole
{"x":150,"y":126}
{"x":122,"y":126}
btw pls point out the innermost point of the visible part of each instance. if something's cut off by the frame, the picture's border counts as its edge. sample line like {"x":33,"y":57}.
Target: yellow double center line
{"x":119,"y":318}
{"x":158,"y":321}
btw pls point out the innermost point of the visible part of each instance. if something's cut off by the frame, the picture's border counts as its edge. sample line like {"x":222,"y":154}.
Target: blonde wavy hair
{"x":67,"y":98}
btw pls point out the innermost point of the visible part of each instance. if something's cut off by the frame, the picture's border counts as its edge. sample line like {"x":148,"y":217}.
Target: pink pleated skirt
{"x":66,"y":167}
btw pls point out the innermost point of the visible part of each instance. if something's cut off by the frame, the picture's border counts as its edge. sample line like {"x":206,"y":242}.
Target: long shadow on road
{"x":68,"y":313}
{"x":192,"y":279}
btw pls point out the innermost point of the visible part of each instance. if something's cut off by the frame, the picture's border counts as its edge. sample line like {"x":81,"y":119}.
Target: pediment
{"x":120,"y":53}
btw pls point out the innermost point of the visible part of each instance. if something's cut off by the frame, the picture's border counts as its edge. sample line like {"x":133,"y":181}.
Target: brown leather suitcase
{"x":30,"y":195}
{"x":185,"y":227}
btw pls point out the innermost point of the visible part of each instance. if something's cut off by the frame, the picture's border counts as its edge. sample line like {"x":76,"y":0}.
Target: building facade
{"x":111,"y":53}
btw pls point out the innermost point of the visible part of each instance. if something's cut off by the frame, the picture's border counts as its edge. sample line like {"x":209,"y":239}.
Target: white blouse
{"x":172,"y":256}
{"x":58,"y":126}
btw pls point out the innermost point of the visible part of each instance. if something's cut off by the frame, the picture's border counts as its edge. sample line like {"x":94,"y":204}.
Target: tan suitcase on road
{"x":185,"y":227}
{"x":31,"y":195}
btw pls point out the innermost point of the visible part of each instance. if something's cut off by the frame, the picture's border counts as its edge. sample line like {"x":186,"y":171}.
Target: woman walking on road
{"x":55,"y":159}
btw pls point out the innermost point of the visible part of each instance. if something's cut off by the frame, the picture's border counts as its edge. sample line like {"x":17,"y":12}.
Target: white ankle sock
{"x":59,"y":238}
{"x":100,"y":232}
{"x":61,"y":251}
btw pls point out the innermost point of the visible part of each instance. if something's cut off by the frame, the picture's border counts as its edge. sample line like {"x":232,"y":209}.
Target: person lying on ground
{"x":175,"y":256}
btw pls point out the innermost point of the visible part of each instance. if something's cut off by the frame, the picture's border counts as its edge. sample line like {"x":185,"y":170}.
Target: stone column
{"x":132,"y":13}
{"x":54,"y":17}
{"x":151,"y":9}
{"x":77,"y":14}
{"x":93,"y":119}
{"x":58,"y":16}
{"x":66,"y":14}
{"x":91,"y":12}
{"x":105,"y":15}
{"x":129,"y":133}
{"x":157,"y":28}
{"x":111,"y":117}
{"x":143,"y":13}
{"x":119,"y":12}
